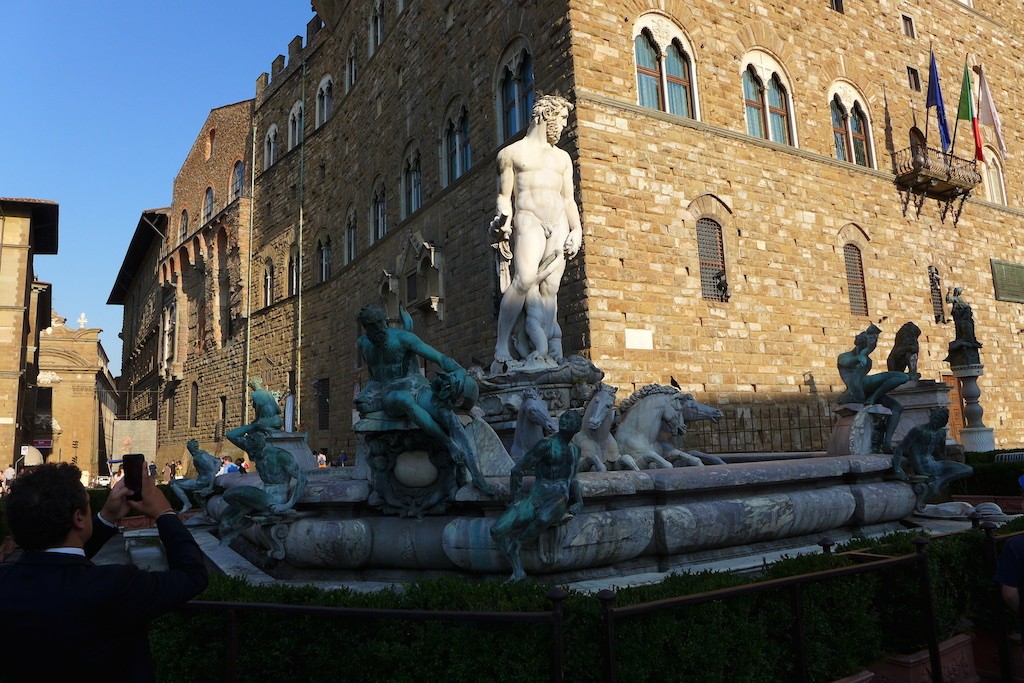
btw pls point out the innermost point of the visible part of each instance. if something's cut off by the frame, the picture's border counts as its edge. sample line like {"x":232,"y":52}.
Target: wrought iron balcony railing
{"x":931,"y":172}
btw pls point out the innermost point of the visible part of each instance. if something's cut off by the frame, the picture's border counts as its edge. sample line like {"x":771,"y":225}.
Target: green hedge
{"x":849,"y":623}
{"x":991,"y":479}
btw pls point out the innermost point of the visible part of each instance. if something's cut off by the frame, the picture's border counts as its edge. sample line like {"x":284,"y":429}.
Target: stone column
{"x":975,"y":436}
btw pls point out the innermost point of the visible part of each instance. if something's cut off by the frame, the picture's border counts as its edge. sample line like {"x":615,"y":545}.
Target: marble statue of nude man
{"x":544,"y":229}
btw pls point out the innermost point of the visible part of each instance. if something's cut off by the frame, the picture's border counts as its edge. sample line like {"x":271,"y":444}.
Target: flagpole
{"x":956,"y":124}
{"x":927,"y":119}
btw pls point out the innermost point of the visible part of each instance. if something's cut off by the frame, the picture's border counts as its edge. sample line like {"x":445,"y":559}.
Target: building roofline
{"x":152,"y":226}
{"x":44,"y":219}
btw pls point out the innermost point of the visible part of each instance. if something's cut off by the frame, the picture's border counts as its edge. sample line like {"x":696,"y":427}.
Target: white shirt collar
{"x":66,"y":551}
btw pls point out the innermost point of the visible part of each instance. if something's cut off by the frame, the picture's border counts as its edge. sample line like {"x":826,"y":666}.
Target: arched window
{"x":350,"y":238}
{"x":376,"y":26}
{"x":295,"y":125}
{"x":859,"y":135}
{"x":412,"y":191}
{"x":711,"y":254}
{"x":268,"y":283}
{"x":208,"y":205}
{"x":209,"y":142}
{"x":183,"y":232}
{"x":648,"y":74}
{"x":237,"y":180}
{"x":850,"y":129}
{"x":664,"y":67}
{"x":323,"y":259}
{"x":270,"y":147}
{"x":992,"y":171}
{"x":351,"y":67}
{"x":766,"y":98}
{"x":935,"y":290}
{"x":753,"y":101}
{"x":379,"y":213}
{"x":293,"y":271}
{"x":457,"y":154}
{"x":678,"y":81}
{"x":918,"y":146}
{"x":778,"y":112}
{"x":517,"y":94}
{"x":193,"y":406}
{"x":324,"y":100}
{"x":855,"y":286}
{"x":840,"y":130}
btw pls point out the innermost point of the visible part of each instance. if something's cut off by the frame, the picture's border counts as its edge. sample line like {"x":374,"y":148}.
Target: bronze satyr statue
{"x":905,"y":351}
{"x":867,"y":389}
{"x":924,"y":448}
{"x":554,"y":497}
{"x":276,"y":468}
{"x":206,"y":468}
{"x":265,"y":406}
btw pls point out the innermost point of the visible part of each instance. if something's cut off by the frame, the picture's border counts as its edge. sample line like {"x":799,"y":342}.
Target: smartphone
{"x":133,"y":463}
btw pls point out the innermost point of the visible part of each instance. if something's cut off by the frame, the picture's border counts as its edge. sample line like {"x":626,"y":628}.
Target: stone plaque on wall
{"x":1008,"y":280}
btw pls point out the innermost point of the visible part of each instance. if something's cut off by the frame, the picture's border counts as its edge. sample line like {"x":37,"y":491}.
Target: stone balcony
{"x":928,"y":171}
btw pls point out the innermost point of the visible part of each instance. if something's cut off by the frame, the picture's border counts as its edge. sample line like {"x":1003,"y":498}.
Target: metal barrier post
{"x":928,"y":608}
{"x":557,"y":596}
{"x":607,"y":598}
{"x":998,"y":608}
{"x":798,"y":632}
{"x":230,"y":675}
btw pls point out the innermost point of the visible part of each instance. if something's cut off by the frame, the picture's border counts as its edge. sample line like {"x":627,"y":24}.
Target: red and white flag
{"x":987,"y":114}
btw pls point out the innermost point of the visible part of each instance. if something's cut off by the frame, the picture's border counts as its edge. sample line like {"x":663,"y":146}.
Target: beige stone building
{"x":28,"y":227}
{"x":754,"y":184}
{"x":76,"y":398}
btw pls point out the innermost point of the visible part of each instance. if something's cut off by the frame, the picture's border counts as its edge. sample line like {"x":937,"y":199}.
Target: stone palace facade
{"x":758,"y":182}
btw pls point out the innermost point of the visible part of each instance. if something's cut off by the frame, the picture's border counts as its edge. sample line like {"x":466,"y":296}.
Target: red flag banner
{"x":965,"y":112}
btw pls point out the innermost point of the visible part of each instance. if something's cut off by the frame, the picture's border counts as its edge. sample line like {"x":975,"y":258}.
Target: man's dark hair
{"x":41,"y":504}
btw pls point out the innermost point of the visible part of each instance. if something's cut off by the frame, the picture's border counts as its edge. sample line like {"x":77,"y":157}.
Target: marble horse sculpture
{"x":597,"y":445}
{"x":693,"y":411}
{"x":646,"y":414}
{"x":532,"y":423}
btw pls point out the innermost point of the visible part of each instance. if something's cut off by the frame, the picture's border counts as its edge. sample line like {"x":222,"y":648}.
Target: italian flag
{"x":966,"y":113}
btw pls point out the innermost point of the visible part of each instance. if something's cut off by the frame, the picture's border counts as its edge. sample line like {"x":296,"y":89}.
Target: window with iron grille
{"x":322,"y":389}
{"x":713,"y":284}
{"x":855,"y":280}
{"x":935,"y":286}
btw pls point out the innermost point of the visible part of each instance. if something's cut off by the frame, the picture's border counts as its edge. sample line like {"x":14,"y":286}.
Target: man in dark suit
{"x":62,"y":616}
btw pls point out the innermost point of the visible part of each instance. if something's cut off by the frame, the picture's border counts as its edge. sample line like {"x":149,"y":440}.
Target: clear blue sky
{"x":102,"y":101}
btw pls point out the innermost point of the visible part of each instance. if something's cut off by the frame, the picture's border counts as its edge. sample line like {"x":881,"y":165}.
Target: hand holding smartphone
{"x":133,"y":464}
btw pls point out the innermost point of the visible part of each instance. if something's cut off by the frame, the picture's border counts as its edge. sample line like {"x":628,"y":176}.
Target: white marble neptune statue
{"x":538,"y":236}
